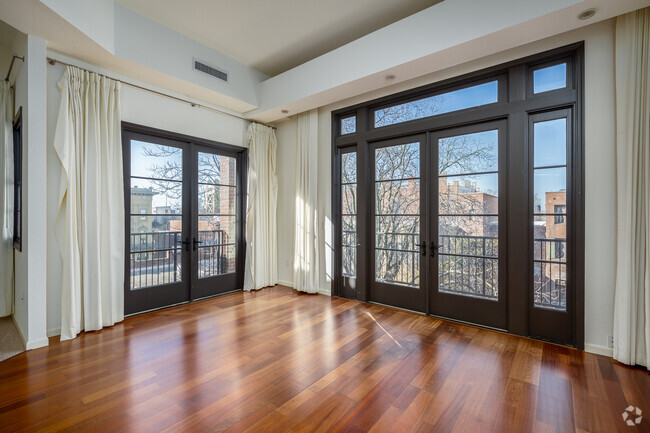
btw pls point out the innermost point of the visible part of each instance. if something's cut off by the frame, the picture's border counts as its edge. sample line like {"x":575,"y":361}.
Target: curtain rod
{"x":11,"y":65}
{"x":53,"y":61}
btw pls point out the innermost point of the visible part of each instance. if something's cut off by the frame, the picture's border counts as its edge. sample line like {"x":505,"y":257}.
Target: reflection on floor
{"x":279,"y":361}
{"x":11,"y":344}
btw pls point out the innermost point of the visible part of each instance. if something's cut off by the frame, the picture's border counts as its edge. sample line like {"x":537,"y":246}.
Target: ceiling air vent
{"x":200,"y":66}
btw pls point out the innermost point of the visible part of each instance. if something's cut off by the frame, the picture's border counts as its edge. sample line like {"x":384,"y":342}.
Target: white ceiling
{"x":275,"y":36}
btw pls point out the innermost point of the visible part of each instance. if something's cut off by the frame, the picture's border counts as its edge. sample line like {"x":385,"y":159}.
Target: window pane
{"x":216,"y":260}
{"x":217,"y":169}
{"x":155,"y":160}
{"x":476,"y":194}
{"x":550,"y":248}
{"x":398,"y":267}
{"x":468,"y":276}
{"x":397,"y":232}
{"x":397,"y":197}
{"x":474,"y":96}
{"x":155,"y":268}
{"x":551,"y":78}
{"x":349,"y":231}
{"x":469,"y":235}
{"x":550,"y":189}
{"x":348,"y":125}
{"x":349,"y":199}
{"x":155,"y":232}
{"x":550,"y":143}
{"x":349,"y":261}
{"x":470,"y":153}
{"x":349,"y":210}
{"x":217,"y":230}
{"x":217,"y":199}
{"x":397,"y":162}
{"x":349,"y":167}
{"x":550,"y":285}
{"x":156,"y":197}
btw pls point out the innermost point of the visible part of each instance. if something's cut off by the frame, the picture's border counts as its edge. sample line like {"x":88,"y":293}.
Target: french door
{"x":437,"y":223}
{"x":183,"y":226}
{"x":398,"y":224}
{"x":464,"y":198}
{"x":467,"y":224}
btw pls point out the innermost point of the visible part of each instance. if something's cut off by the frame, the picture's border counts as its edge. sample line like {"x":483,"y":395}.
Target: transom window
{"x":468,"y":97}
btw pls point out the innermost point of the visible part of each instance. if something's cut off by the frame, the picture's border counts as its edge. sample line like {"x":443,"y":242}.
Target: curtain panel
{"x":6,"y":200}
{"x":632,"y":293}
{"x":305,"y":251}
{"x":261,"y":268}
{"x":90,"y":220}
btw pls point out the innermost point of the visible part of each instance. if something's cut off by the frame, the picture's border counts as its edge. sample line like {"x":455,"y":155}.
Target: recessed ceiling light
{"x":284,"y":111}
{"x":585,"y":15}
{"x":390,"y":77}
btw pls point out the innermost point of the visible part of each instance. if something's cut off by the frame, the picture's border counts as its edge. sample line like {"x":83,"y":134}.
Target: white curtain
{"x":90,"y":222}
{"x":6,"y":200}
{"x":305,"y":249}
{"x":632,"y":295}
{"x":261,"y":269}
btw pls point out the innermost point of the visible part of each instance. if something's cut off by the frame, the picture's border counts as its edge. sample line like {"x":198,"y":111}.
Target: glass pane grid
{"x":349,"y":208}
{"x":155,"y":217}
{"x":217,"y":217}
{"x":397,"y":214}
{"x":549,"y":215}
{"x":468,"y":218}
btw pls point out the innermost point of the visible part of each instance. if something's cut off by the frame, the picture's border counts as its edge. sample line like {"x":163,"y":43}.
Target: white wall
{"x":138,"y":107}
{"x":600,"y":202}
{"x":30,"y":308}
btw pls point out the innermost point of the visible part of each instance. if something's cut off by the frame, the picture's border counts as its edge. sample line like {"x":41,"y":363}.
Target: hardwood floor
{"x":276,"y":360}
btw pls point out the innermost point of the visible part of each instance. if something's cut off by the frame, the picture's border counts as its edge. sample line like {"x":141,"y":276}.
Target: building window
{"x":560,"y":210}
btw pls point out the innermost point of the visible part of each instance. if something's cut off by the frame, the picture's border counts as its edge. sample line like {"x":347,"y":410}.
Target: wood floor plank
{"x":280,"y":361}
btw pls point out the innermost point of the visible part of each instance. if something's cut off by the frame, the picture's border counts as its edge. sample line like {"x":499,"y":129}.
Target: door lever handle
{"x":196,"y":242}
{"x":423,"y":245}
{"x":186,"y":242}
{"x":434,"y":248}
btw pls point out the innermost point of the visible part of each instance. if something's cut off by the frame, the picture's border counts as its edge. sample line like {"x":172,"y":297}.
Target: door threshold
{"x":478,"y":325}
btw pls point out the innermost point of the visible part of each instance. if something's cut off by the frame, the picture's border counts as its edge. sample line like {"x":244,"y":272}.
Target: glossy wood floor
{"x":279,"y":361}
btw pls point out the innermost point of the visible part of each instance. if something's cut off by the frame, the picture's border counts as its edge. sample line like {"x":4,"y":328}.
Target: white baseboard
{"x":35,"y":344}
{"x":285,"y":283}
{"x":599,"y":350}
{"x":55,"y":332}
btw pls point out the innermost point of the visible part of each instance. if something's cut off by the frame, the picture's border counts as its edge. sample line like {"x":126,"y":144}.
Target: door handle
{"x":423,"y":245}
{"x":196,"y":243}
{"x":434,"y":248}
{"x":186,"y":242}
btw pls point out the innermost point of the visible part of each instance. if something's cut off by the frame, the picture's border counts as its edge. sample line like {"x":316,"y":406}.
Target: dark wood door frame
{"x":411,"y":298}
{"x":131,"y":130}
{"x":516,"y":102}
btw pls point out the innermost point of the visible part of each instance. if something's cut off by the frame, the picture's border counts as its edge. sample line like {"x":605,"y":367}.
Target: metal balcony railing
{"x":467,"y":265}
{"x":156,"y":256}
